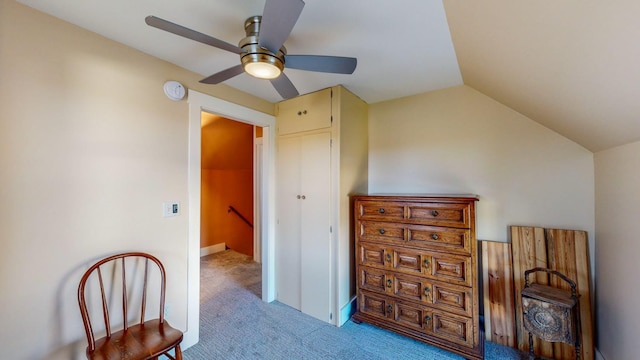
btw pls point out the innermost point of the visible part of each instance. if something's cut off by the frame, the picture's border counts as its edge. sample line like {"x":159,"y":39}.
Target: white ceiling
{"x":571,"y":65}
{"x":396,"y":57}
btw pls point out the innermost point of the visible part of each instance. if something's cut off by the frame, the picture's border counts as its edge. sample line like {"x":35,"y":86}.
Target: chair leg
{"x":178,"y":352}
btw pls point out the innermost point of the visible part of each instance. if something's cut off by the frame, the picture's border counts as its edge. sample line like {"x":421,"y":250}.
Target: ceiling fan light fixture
{"x":262,"y":52}
{"x":262,"y":70}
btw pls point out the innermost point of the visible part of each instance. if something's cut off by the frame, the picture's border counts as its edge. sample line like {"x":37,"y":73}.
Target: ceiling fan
{"x":262,"y":53}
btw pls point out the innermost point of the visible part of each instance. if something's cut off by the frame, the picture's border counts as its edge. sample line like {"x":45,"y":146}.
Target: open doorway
{"x":199,"y":103}
{"x":228,"y":169}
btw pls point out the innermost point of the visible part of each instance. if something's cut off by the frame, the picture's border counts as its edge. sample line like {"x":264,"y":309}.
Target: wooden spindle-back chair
{"x":145,"y":339}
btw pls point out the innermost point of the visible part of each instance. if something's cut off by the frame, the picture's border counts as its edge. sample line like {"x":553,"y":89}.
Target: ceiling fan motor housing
{"x":254,"y":53}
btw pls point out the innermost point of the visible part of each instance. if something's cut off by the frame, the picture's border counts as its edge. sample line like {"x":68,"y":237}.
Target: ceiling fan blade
{"x":278,"y":19}
{"x":191,"y":34}
{"x":284,"y":86}
{"x":223,"y":75}
{"x":328,"y":64}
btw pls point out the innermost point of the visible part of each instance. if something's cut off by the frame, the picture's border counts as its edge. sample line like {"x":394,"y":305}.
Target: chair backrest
{"x":125,"y":273}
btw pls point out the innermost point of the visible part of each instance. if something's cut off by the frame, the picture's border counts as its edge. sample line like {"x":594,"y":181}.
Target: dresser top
{"x":418,"y":197}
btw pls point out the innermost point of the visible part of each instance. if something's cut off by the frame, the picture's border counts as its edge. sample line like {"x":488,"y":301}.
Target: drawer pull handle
{"x":426,"y":263}
{"x":434,"y":213}
{"x":427,"y":319}
{"x":389,"y":308}
{"x":388,"y":257}
{"x":381,"y":231}
{"x":389,"y":282}
{"x":381,"y":210}
{"x":427,"y":291}
{"x":434,"y":236}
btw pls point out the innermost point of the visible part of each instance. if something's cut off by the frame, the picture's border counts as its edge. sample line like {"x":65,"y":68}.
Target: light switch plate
{"x":170,"y":209}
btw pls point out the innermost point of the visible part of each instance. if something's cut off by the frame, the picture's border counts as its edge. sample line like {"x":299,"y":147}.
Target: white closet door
{"x":315,"y":221}
{"x":287,"y":256}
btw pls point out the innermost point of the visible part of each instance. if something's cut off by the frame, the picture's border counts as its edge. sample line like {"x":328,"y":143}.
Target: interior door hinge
{"x":330,"y":229}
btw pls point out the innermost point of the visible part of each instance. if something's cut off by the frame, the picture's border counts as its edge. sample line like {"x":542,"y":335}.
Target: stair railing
{"x":232,"y":209}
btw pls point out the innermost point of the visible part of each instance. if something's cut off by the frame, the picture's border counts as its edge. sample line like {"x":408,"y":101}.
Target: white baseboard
{"x":347,"y":311}
{"x":212,"y":249}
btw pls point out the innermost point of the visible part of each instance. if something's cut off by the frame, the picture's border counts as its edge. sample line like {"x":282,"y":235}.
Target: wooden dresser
{"x":416,"y":268}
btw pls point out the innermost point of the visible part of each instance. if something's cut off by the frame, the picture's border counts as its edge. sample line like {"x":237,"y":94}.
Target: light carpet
{"x":236,"y":324}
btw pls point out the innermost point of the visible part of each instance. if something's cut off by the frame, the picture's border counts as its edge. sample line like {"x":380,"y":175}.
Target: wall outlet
{"x":170,"y":209}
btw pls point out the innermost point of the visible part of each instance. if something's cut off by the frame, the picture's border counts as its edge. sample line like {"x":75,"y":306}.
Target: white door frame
{"x":199,"y":103}
{"x":257,"y":197}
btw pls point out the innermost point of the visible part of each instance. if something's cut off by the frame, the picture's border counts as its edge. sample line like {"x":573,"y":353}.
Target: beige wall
{"x":460,"y":141}
{"x":89,"y":149}
{"x":617,"y":177}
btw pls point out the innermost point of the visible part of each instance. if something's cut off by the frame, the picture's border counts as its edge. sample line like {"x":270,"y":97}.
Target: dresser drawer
{"x":425,"y":213}
{"x":453,"y":269}
{"x":443,"y":296}
{"x":374,"y":255}
{"x":382,"y":232}
{"x":380,"y":210}
{"x":451,"y":240}
{"x":454,"y":328}
{"x":441,"y":214}
{"x":445,"y":326}
{"x":457,"y":329}
{"x":375,"y":280}
{"x":376,"y":305}
{"x":413,"y":316}
{"x":437,"y":238}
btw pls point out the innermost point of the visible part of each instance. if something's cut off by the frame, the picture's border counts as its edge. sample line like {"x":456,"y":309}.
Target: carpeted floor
{"x":236,"y":324}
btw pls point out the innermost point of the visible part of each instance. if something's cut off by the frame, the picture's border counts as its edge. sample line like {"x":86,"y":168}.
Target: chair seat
{"x":137,"y":342}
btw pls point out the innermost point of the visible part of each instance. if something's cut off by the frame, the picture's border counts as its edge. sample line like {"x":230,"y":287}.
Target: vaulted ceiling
{"x":573,"y":66}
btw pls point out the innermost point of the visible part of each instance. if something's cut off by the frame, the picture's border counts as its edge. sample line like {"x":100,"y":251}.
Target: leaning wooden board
{"x":497,"y":274}
{"x":567,"y":252}
{"x":528,"y":251}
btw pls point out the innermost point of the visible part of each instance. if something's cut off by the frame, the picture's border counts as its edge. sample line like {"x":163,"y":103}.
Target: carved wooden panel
{"x":457,"y":299}
{"x":453,"y":328}
{"x":410,"y":315}
{"x":372,"y":255}
{"x":548,"y":321}
{"x":452,"y":269}
{"x":375,"y":305}
{"x":374,"y":280}
{"x":408,"y":287}
{"x":407,"y":260}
